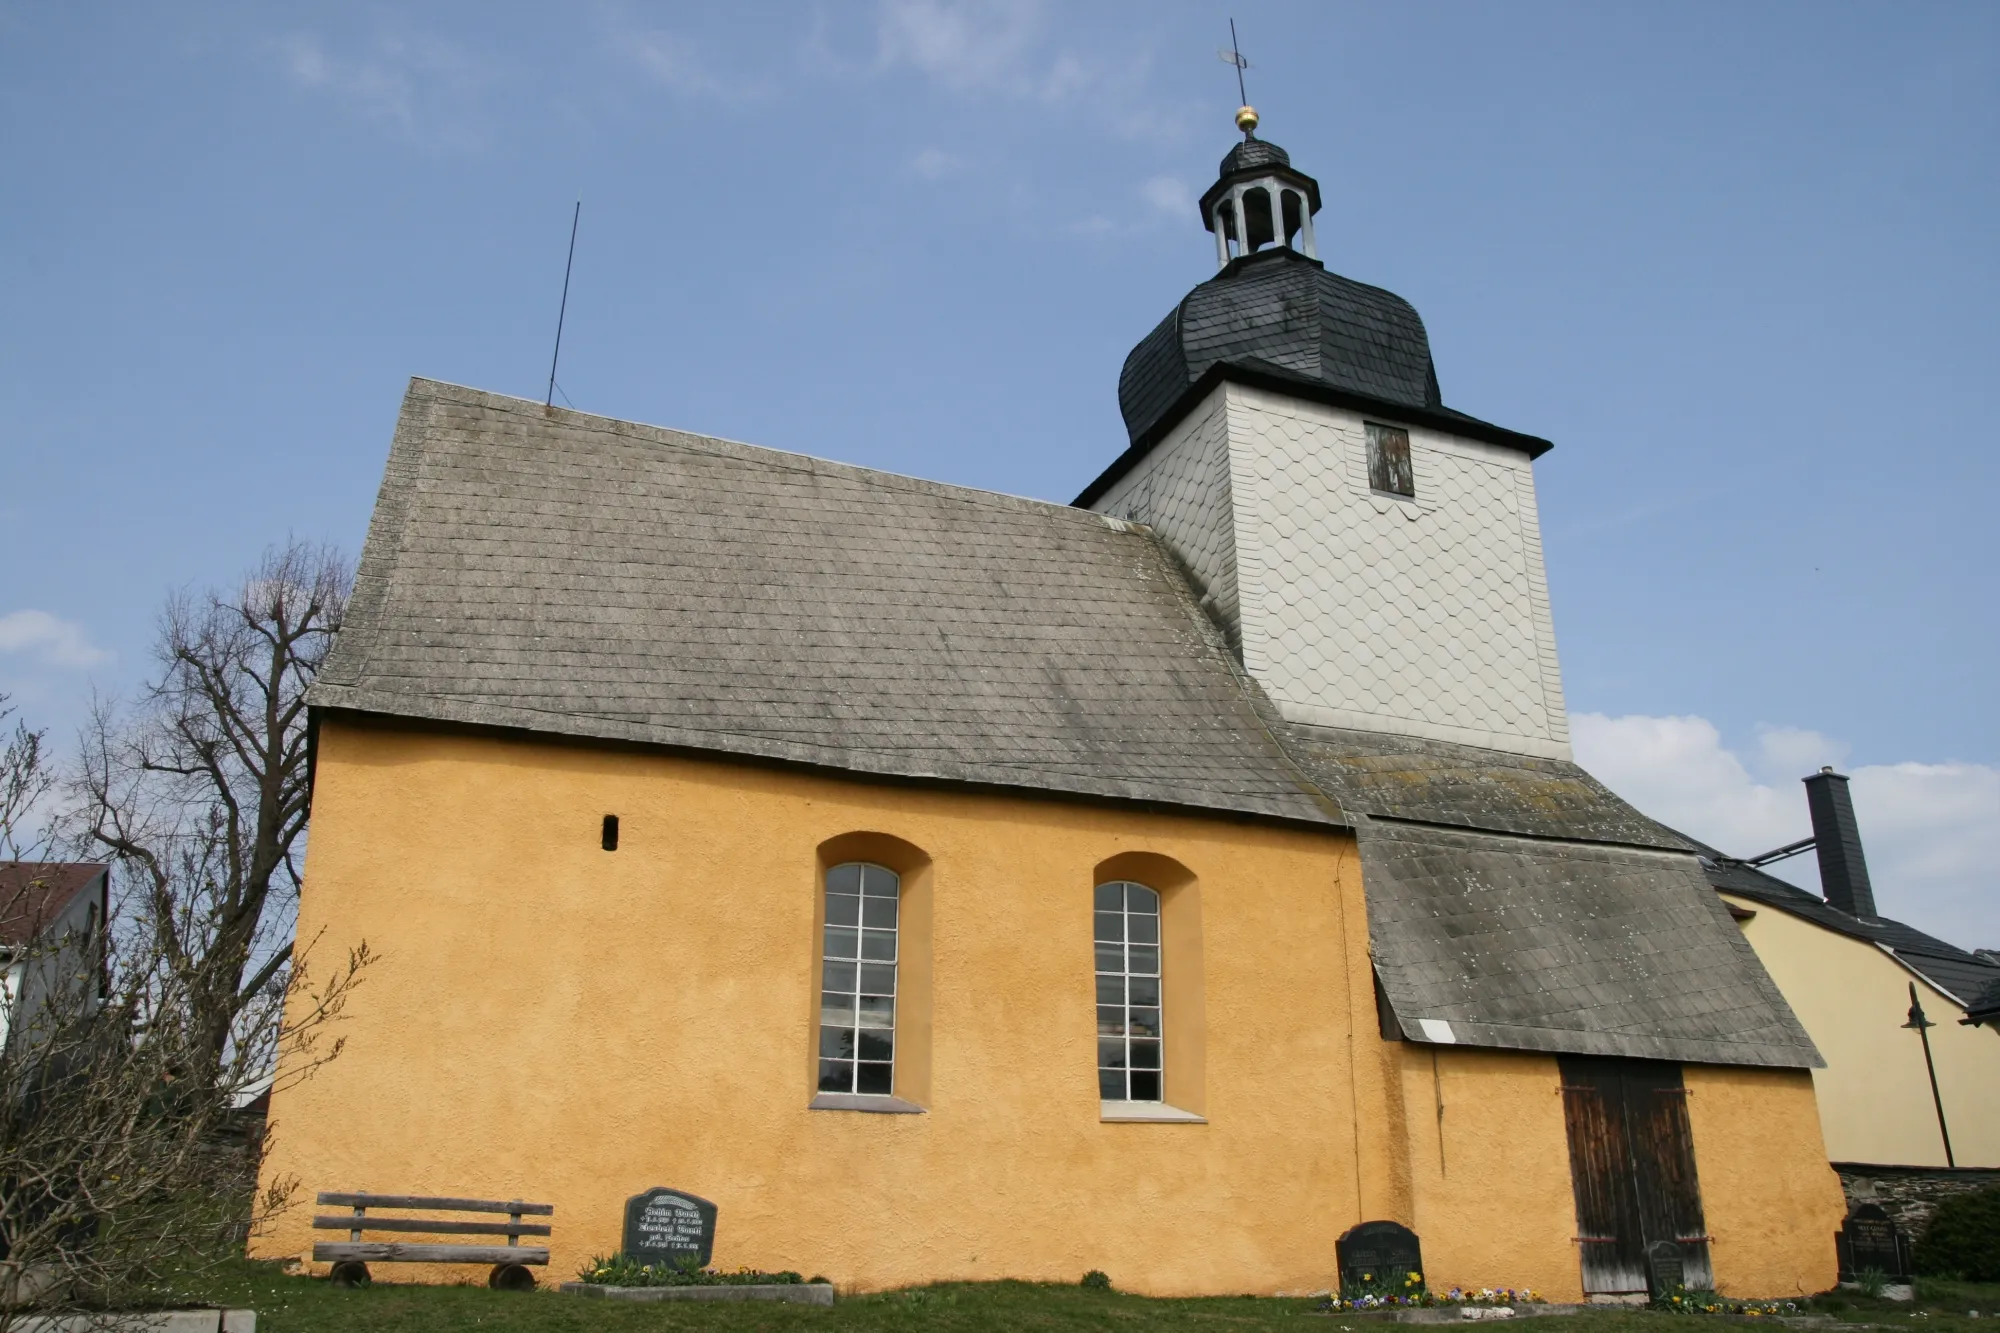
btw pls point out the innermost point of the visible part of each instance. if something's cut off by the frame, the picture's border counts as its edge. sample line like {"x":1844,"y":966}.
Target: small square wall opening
{"x":611,"y":833}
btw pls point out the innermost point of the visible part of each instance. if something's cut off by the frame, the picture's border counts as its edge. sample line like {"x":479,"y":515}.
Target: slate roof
{"x":1256,"y":157}
{"x":1959,"y":973}
{"x":544,"y":570}
{"x":1280,"y":318}
{"x":34,"y":893}
{"x":1466,"y":786}
{"x":1573,"y":947}
{"x":558,"y":572}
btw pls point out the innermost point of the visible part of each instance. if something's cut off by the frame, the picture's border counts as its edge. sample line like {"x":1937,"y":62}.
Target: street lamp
{"x":1922,"y":1026}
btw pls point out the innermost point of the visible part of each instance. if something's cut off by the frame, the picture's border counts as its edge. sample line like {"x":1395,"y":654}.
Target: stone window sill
{"x":854,"y":1101}
{"x":1148,"y":1112}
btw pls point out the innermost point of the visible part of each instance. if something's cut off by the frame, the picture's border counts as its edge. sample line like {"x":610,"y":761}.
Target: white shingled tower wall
{"x":1422,"y":617}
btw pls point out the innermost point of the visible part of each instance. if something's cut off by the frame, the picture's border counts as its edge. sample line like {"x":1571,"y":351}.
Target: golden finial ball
{"x":1246,"y":118}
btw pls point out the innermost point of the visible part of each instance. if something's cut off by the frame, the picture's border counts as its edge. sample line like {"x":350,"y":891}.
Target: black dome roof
{"x":1252,"y":154}
{"x":1279,"y":309}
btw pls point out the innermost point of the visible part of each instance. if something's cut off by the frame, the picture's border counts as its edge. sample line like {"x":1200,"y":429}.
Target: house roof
{"x":35,"y":893}
{"x":558,"y":572}
{"x":1959,"y":973}
{"x":545,"y":570}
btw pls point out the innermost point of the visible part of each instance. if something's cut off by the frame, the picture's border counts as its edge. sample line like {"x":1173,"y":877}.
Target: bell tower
{"x":1373,"y":556}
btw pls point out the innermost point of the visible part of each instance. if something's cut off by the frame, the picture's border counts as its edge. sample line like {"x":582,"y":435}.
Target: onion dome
{"x":1273,"y":315}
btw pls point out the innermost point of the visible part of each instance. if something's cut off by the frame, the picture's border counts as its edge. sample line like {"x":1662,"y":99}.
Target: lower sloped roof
{"x":1566,"y":947}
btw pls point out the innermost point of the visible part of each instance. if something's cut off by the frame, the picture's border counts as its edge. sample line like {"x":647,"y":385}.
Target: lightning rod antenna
{"x":563,"y":310}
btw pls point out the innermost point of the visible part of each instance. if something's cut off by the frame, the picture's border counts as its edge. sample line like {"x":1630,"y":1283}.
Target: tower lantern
{"x":1258,"y":199}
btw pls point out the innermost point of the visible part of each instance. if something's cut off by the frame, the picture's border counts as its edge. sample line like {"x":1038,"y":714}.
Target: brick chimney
{"x":1843,"y":870}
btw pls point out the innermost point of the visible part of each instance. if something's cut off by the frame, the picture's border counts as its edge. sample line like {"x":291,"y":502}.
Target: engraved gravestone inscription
{"x":1380,"y":1256}
{"x":1666,"y":1269}
{"x":667,"y":1226}
{"x":1870,"y":1242}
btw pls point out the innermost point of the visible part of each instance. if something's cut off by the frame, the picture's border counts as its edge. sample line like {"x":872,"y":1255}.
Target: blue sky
{"x":1737,"y":261}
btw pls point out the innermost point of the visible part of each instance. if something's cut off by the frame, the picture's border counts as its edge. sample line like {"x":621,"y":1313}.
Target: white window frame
{"x":1129,"y":971}
{"x":857,"y":1000}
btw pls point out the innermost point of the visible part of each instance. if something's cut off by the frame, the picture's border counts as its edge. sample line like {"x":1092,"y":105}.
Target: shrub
{"x":619,"y":1271}
{"x":1963,"y":1239}
{"x":1096,"y":1280}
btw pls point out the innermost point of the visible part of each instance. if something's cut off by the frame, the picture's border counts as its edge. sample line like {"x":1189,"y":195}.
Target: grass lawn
{"x":307,"y":1305}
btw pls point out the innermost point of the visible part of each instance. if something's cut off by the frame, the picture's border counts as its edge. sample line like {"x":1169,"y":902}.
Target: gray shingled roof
{"x":559,"y":573}
{"x":1466,"y":786}
{"x":1567,"y":947}
{"x":566,"y":573}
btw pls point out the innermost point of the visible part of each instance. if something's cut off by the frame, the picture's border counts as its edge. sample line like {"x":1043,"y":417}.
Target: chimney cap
{"x":1826,"y":768}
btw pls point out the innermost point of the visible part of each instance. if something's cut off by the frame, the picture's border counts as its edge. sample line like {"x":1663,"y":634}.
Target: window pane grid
{"x":857,"y":1003}
{"x":1128,"y":993}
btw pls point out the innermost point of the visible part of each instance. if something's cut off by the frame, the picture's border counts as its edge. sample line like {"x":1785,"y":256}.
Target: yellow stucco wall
{"x":1491,"y":1178}
{"x":551,"y":1021}
{"x":1874,"y":1095}
{"x":1773,"y":1239}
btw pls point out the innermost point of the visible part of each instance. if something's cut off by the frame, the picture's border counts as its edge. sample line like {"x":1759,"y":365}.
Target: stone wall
{"x":1910,"y":1194}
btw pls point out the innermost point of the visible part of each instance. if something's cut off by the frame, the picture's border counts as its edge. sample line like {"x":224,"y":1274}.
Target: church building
{"x":948,"y":885}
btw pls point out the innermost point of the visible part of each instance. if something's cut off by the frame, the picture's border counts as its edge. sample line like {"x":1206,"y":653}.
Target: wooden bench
{"x":350,"y":1258}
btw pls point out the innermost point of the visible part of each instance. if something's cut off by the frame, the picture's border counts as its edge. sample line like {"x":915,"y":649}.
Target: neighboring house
{"x":1852,"y":976}
{"x":50,"y":914}
{"x":951,"y":885}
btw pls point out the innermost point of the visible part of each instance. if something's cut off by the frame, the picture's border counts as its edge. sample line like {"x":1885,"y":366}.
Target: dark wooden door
{"x":1631,"y":1162}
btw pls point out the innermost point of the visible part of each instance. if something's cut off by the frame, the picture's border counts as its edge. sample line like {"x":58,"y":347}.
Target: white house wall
{"x":1181,"y":489}
{"x":1426,"y":617}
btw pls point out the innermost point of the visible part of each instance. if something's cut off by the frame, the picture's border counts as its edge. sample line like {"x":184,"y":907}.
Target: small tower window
{"x":1389,"y":460}
{"x":611,"y":833}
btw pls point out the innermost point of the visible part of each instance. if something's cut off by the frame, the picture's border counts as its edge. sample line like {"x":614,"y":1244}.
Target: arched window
{"x":1128,"y":992}
{"x":857,"y":1002}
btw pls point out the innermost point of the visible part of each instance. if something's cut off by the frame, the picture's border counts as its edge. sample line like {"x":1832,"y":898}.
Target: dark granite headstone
{"x":1666,"y":1268}
{"x":1870,"y":1242}
{"x":1380,"y":1256}
{"x":667,"y":1226}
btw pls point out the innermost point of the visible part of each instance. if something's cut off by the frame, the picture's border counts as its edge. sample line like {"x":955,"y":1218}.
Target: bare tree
{"x":200,"y":794}
{"x":123,"y":1161}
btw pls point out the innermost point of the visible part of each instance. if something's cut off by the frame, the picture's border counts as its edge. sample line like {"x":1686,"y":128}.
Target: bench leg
{"x":349,"y":1273}
{"x":511,"y":1277}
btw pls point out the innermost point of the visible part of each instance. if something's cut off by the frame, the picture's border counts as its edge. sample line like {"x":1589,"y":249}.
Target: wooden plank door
{"x":1632,"y":1169}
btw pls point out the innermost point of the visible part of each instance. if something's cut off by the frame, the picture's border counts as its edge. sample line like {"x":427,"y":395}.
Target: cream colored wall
{"x":1771,"y":1201}
{"x":551,"y":1021}
{"x":1874,"y":1095}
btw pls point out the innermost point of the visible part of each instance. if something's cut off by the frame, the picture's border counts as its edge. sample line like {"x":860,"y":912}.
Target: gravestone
{"x":1871,"y":1241}
{"x":1666,"y":1269}
{"x":1380,"y":1256}
{"x":667,"y":1226}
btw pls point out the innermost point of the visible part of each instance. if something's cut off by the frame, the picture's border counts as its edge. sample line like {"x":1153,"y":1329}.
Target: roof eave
{"x":1264,"y":375}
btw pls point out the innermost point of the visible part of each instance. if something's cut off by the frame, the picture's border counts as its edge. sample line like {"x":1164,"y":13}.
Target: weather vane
{"x":1246,"y":115}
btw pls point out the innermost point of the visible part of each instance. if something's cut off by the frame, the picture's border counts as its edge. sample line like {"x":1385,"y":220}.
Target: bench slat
{"x":443,"y":1205}
{"x":401,"y":1252}
{"x":435,"y":1226}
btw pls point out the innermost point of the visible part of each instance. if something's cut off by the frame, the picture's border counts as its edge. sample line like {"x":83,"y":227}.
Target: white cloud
{"x":1002,"y":48}
{"x":1931,"y":831}
{"x":967,"y":46}
{"x":426,"y":90}
{"x":55,"y":642}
